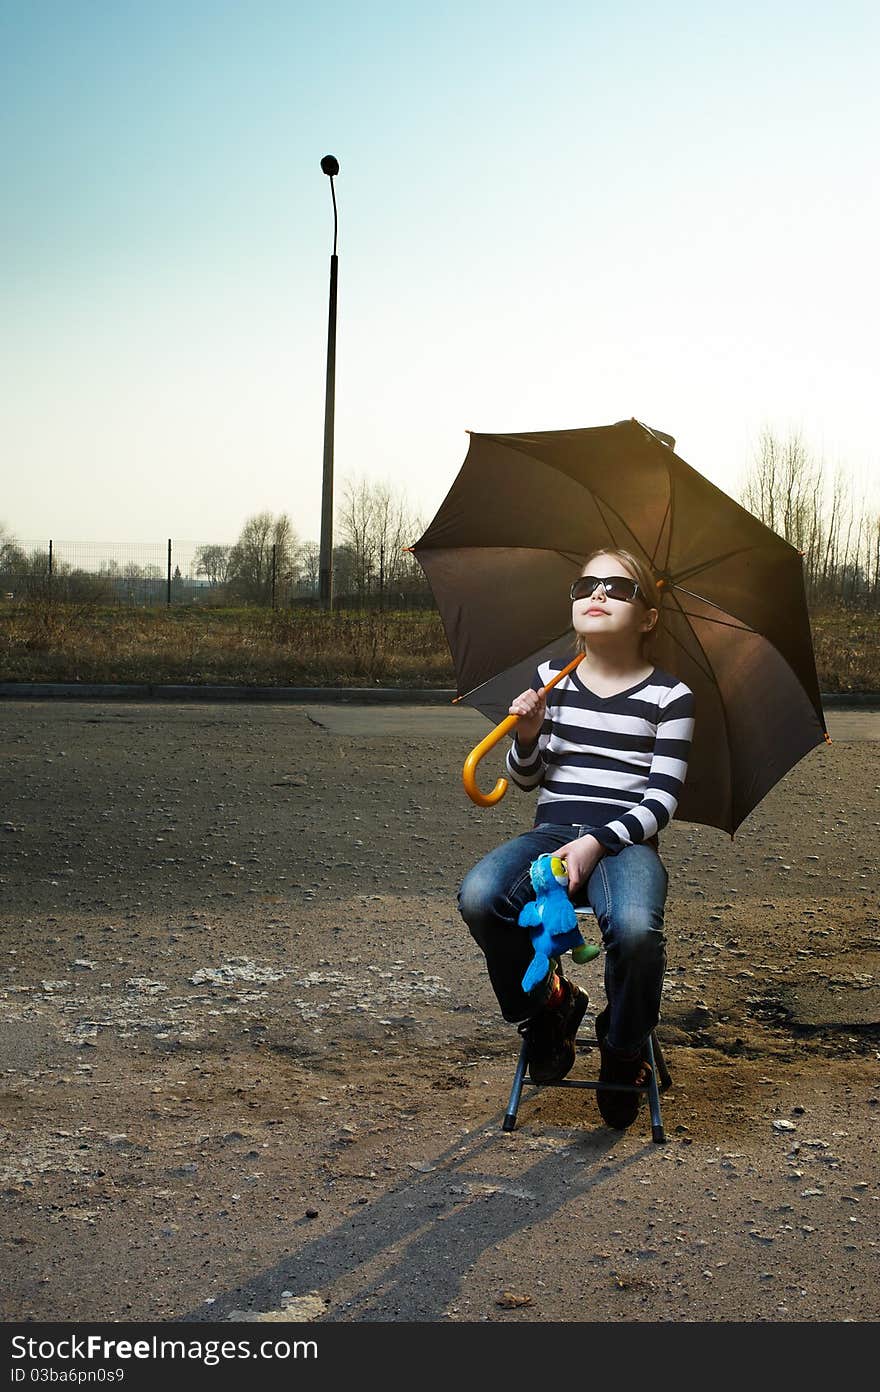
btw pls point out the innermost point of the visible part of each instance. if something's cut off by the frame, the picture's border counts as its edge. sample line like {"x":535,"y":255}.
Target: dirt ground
{"x":252,"y":1066}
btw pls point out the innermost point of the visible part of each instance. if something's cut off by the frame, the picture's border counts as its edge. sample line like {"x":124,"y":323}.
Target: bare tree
{"x":212,"y":561}
{"x":309,"y":567}
{"x":344,"y":570}
{"x":13,"y":560}
{"x":393,"y":532}
{"x":251,"y":559}
{"x":377,"y":526}
{"x":781,"y":487}
{"x":831,"y":541}
{"x":789,"y":490}
{"x":357,"y":528}
{"x":759,"y":493}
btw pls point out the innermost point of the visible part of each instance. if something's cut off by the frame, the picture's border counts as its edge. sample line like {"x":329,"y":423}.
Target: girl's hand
{"x":581,"y":858}
{"x":531,"y":707}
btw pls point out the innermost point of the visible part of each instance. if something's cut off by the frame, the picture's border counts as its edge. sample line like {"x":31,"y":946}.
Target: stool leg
{"x":662,"y":1070}
{"x":657,"y":1132}
{"x":518,"y":1077}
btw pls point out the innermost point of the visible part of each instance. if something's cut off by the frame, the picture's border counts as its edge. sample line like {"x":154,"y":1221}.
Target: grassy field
{"x":56,"y":642}
{"x":68,"y":642}
{"x":847,"y":647}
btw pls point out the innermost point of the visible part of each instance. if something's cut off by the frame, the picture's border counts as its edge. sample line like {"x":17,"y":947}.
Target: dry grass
{"x":65,"y":642}
{"x":847,"y":647}
{"x":46,"y":641}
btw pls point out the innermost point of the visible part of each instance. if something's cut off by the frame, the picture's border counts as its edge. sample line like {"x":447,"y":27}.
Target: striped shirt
{"x":614,"y":764}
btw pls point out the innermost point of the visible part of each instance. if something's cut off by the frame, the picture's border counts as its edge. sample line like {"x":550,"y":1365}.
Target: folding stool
{"x":652,"y":1054}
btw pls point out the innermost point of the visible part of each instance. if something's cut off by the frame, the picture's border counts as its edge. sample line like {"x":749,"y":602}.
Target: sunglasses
{"x":615,"y":587}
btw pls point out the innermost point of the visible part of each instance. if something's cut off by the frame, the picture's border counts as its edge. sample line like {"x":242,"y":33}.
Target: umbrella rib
{"x":722,"y":623}
{"x":660,"y":532}
{"x":602,"y":502}
{"x":707,"y":671}
{"x":669,"y":502}
{"x":706,"y":565}
{"x":559,"y":638}
{"x":713,"y":680}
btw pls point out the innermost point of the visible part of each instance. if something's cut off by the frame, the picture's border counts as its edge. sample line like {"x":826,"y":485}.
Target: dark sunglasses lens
{"x":584,"y":587}
{"x":615,"y":586}
{"x":618,"y":587}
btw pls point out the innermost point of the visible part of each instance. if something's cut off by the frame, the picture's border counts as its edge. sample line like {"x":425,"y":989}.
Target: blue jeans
{"x":626,"y":891}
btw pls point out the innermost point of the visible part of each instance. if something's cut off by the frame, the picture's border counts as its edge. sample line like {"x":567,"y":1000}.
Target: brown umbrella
{"x":512,"y":534}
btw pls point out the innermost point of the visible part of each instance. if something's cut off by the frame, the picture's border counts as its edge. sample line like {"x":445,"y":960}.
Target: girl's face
{"x":599,"y":614}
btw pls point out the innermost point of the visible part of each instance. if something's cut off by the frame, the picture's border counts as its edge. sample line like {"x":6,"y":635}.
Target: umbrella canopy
{"x":512,"y":534}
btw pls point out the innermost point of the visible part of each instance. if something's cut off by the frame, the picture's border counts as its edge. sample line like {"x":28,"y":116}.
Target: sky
{"x":549,"y":217}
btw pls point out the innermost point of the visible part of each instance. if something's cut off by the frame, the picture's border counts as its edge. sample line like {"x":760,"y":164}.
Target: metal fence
{"x":182,"y":573}
{"x":103,"y":573}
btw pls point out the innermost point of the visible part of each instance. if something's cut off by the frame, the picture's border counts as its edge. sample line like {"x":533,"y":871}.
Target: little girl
{"x":608,"y":748}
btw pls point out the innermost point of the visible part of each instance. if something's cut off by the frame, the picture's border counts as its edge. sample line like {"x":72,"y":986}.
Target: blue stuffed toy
{"x":552,"y":920}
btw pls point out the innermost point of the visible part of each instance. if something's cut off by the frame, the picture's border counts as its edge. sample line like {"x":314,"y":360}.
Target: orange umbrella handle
{"x":470,"y":764}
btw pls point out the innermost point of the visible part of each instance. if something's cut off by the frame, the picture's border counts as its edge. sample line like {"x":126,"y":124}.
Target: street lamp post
{"x":330,"y":166}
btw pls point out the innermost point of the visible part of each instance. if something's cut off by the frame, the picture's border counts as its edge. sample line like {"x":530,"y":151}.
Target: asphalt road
{"x":462,"y":722}
{"x":252,"y":1063}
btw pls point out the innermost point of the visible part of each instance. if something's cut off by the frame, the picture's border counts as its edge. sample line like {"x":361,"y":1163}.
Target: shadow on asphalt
{"x":404,"y":1256}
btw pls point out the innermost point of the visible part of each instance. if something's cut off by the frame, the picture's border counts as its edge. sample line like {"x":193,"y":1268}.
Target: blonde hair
{"x":648,"y":590}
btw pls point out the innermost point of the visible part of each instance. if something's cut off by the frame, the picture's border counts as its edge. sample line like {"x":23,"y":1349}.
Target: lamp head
{"x":330,"y":165}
